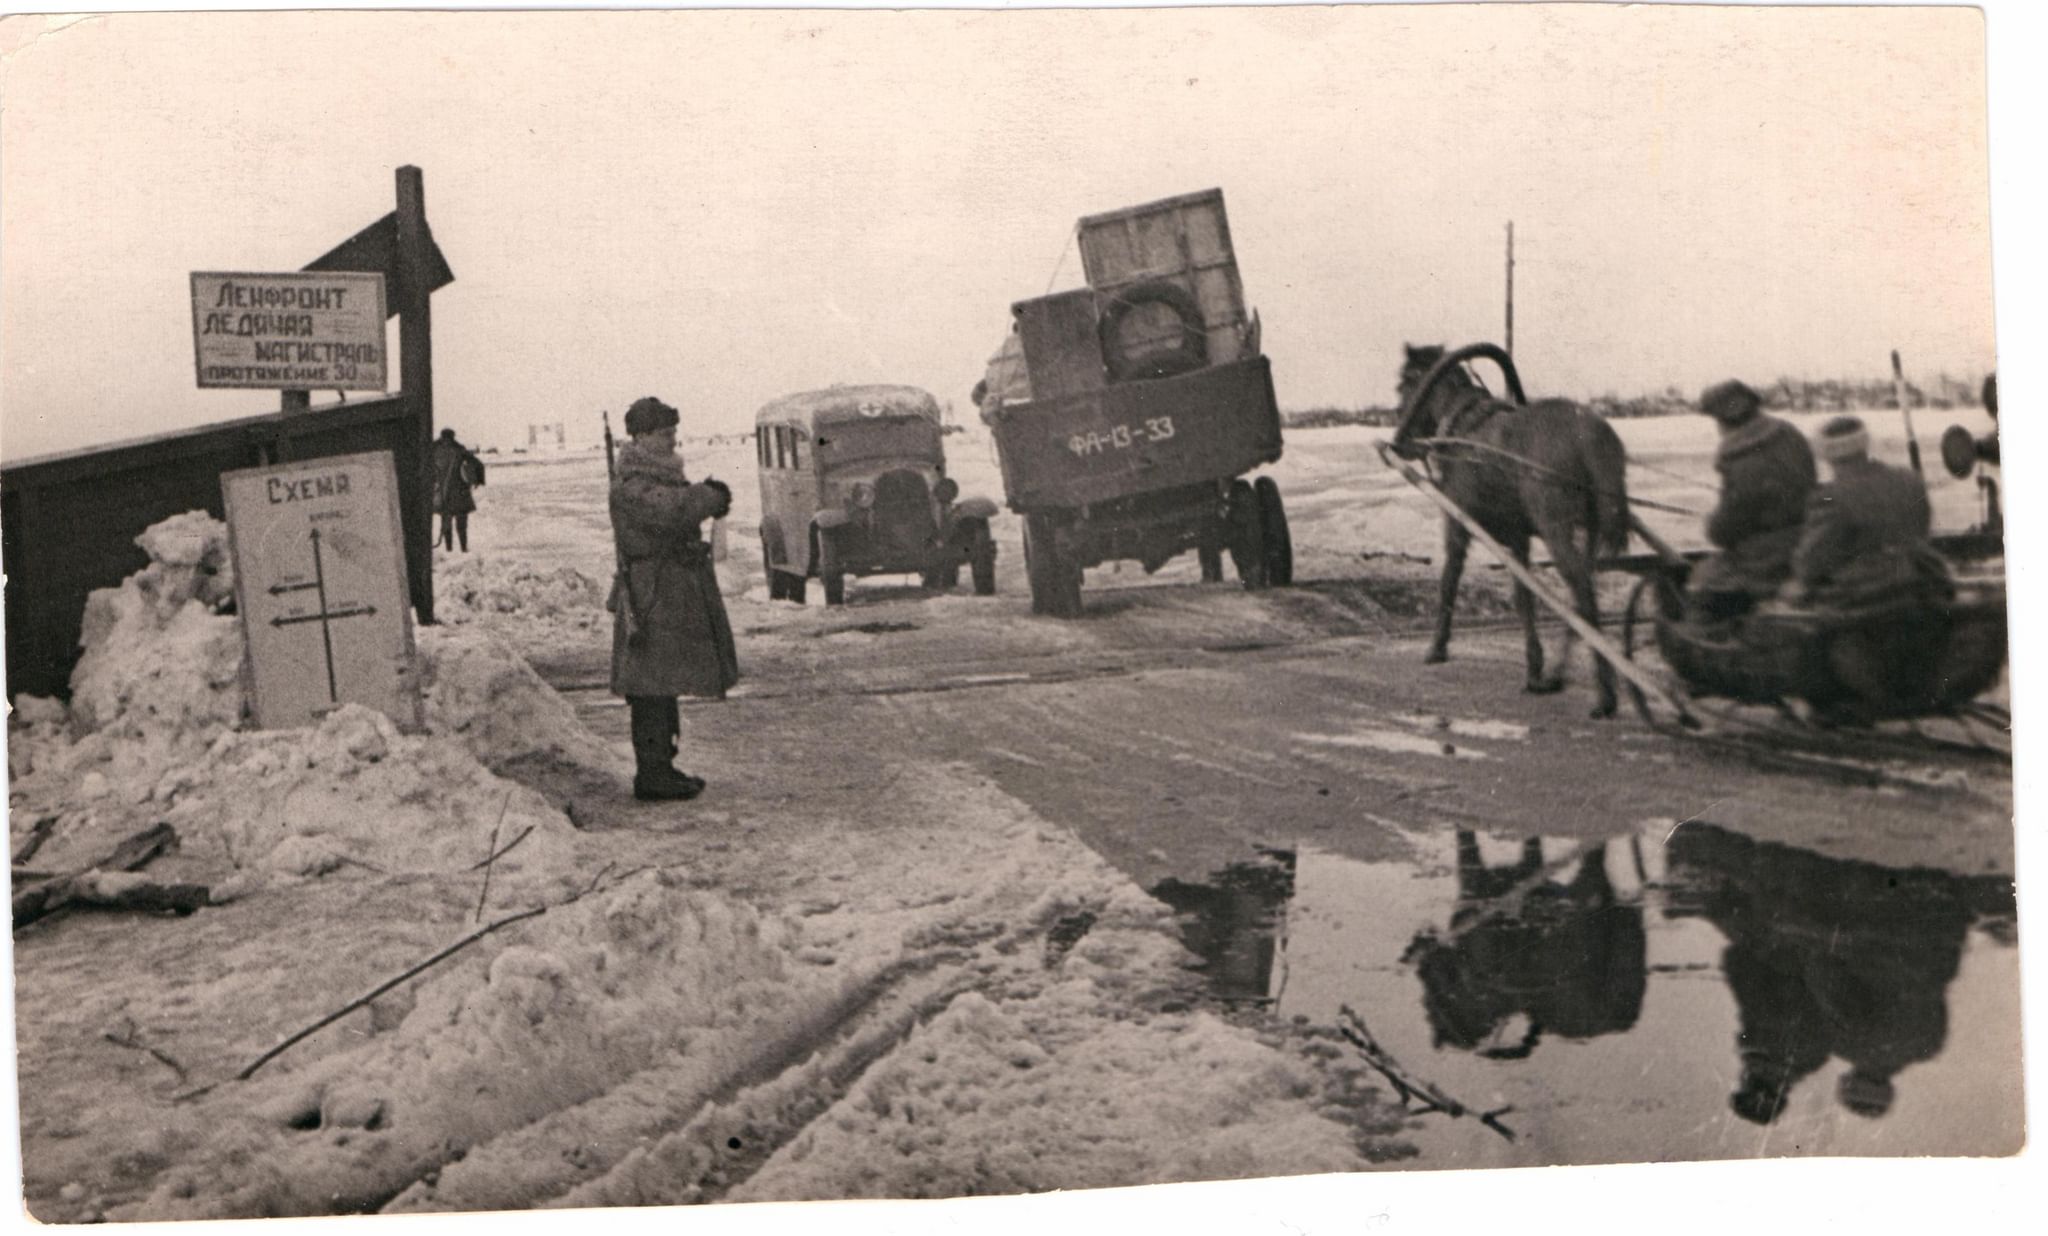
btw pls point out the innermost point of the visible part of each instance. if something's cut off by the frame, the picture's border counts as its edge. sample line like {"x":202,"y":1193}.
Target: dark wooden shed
{"x":69,"y":521}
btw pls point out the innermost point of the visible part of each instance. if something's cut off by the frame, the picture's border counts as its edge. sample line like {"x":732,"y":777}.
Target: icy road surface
{"x":983,"y":902}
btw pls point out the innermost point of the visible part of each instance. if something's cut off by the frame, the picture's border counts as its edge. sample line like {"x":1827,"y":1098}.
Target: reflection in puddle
{"x":1680,"y":994}
{"x":1233,"y":924}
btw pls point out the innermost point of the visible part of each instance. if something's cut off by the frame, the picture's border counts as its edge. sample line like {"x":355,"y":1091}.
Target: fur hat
{"x":1843,"y":438}
{"x":1729,"y":401}
{"x":650,"y":415}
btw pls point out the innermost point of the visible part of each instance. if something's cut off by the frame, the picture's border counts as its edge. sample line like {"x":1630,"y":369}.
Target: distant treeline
{"x":1786,"y":395}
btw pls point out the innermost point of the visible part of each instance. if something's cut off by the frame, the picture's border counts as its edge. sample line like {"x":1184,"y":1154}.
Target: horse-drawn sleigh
{"x":1507,"y":470}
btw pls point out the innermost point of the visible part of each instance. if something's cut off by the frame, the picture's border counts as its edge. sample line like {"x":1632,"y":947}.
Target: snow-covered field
{"x":930,"y":992}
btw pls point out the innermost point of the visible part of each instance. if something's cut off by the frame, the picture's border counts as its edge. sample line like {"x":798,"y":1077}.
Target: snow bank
{"x":584,"y":997}
{"x":157,"y":696}
{"x":353,"y":791}
{"x":968,"y":1106}
{"x":481,"y":693}
{"x":471,"y":588}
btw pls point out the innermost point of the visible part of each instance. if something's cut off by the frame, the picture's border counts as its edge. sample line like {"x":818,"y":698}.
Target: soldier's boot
{"x":655,"y":778}
{"x":672,"y":718}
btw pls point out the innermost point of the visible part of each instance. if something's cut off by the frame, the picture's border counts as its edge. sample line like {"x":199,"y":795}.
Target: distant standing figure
{"x":670,"y":635}
{"x":1766,"y":472}
{"x":457,"y":474}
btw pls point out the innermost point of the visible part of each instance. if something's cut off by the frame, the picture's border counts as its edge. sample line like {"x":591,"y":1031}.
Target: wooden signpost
{"x":320,"y":585}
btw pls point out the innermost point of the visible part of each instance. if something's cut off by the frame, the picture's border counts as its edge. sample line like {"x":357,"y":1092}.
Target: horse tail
{"x":1606,"y":463}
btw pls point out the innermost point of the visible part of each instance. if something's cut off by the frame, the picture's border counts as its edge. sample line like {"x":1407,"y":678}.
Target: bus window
{"x":761,"y":447}
{"x":796,"y":448}
{"x":782,"y":446}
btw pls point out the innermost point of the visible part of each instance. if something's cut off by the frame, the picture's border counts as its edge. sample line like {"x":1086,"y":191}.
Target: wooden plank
{"x":1184,"y":241}
{"x":132,"y":854}
{"x":1062,"y":345}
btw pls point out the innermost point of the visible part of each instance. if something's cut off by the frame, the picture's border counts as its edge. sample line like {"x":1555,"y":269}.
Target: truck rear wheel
{"x":1247,"y":535}
{"x":1209,"y":548}
{"x":1278,"y":542}
{"x":1055,"y":578}
{"x":981,"y":560}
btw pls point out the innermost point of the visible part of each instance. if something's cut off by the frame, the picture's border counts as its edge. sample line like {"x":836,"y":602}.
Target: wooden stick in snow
{"x":249,"y":1069}
{"x":412,"y":971}
{"x":491,"y":857}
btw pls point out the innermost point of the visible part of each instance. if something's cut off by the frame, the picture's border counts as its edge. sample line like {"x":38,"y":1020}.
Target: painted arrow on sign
{"x":343,"y":612}
{"x":323,"y":615}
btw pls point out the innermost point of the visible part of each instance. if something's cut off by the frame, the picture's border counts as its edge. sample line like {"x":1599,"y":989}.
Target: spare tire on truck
{"x":1187,"y":353}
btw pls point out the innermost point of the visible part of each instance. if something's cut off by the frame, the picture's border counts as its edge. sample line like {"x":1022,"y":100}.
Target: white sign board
{"x":302,"y":331}
{"x":320,"y":583}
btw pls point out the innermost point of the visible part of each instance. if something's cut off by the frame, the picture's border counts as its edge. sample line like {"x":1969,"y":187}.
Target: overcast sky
{"x":720,"y":208}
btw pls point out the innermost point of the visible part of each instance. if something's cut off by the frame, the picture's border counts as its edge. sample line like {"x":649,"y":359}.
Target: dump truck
{"x":1128,"y":414}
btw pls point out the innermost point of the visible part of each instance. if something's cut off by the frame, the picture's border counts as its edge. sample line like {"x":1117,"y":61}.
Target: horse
{"x":1549,"y":469}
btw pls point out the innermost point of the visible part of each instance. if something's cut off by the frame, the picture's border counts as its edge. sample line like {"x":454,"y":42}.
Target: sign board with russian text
{"x":298,"y":331}
{"x":321,"y":588}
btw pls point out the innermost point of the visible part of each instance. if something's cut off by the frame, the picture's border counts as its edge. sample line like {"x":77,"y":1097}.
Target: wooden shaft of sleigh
{"x":1601,"y":645}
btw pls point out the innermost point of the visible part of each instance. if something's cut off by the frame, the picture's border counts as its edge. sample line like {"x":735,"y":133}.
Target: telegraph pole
{"x":1510,"y":345}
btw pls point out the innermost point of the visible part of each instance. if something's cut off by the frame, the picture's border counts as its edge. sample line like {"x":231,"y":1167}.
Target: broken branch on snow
{"x":1410,"y":1087}
{"x":410,"y":972}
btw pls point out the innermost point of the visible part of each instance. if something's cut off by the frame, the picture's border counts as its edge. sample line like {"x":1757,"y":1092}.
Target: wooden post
{"x":1509,"y":346}
{"x":416,"y":375}
{"x":1906,"y":411}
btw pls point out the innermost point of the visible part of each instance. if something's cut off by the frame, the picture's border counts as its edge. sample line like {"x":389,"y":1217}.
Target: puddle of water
{"x":1397,"y":741}
{"x":1639,"y":1000}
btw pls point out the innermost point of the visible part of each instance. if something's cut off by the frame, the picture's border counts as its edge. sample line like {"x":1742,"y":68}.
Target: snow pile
{"x":467,"y":589}
{"x":160,"y":673}
{"x":483,"y":694}
{"x":353,"y":791}
{"x":963,"y":1109}
{"x":586,"y":996}
{"x":157,"y":695}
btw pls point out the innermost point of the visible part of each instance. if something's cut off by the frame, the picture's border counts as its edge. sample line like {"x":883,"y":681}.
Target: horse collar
{"x":1469,"y":415}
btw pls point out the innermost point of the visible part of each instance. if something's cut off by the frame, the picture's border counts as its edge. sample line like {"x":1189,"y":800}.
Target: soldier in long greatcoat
{"x":457,"y":472}
{"x":670,"y":635}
